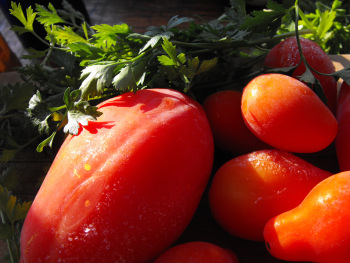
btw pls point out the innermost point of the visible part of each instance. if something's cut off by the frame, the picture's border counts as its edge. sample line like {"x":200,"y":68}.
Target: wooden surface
{"x":140,"y":15}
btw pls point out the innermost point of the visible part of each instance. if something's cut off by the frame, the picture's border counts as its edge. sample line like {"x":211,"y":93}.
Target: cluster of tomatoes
{"x":268,"y":192}
{"x":127,"y":187}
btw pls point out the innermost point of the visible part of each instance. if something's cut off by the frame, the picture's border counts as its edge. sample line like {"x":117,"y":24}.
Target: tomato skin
{"x":197,"y":252}
{"x":230,"y":132}
{"x":250,"y":189}
{"x":317,"y":230}
{"x":127,"y":186}
{"x":342,"y":142}
{"x":286,"y":54}
{"x":286,"y":114}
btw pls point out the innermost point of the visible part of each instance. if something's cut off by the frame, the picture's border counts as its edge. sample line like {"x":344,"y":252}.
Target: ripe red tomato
{"x":286,"y":54}
{"x":318,"y":230}
{"x":230,"y":133}
{"x":250,"y":189}
{"x":342,"y":142}
{"x":127,"y":186}
{"x":197,"y":252}
{"x":287,"y":114}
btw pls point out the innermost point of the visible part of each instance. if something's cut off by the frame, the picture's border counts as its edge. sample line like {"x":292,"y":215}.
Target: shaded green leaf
{"x":13,"y":210}
{"x":47,"y":142}
{"x":268,"y":19}
{"x":39,"y":113}
{"x":175,"y":21}
{"x":207,"y":65}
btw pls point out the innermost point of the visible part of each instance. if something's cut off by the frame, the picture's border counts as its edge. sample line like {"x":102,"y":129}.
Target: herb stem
{"x":237,"y":43}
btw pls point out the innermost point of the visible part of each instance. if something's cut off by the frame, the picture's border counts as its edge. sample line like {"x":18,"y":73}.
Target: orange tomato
{"x":250,"y":189}
{"x":286,"y":114}
{"x":223,"y":110}
{"x":317,"y":230}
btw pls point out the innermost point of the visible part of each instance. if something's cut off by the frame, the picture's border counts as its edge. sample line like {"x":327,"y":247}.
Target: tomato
{"x":286,"y":54}
{"x":342,"y":142}
{"x":317,"y":230}
{"x":287,"y":114}
{"x":230,"y":133}
{"x":197,"y":252}
{"x":250,"y":189}
{"x":127,"y":186}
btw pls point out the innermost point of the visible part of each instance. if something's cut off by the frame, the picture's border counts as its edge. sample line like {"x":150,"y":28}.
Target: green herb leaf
{"x":175,"y":21}
{"x":39,"y":113}
{"x":9,"y":205}
{"x":97,"y":78}
{"x":79,"y":113}
{"x":66,"y":35}
{"x":268,"y":19}
{"x":15,"y":97}
{"x":26,"y":21}
{"x":47,"y":142}
{"x":207,"y":65}
{"x":108,"y":35}
{"x":125,"y":80}
{"x":49,"y":16}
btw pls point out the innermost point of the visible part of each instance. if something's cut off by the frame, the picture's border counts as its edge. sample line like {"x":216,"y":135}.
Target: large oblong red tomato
{"x":127,"y":186}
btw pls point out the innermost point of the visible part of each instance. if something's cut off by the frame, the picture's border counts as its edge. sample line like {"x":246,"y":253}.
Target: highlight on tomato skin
{"x":286,"y":54}
{"x":127,"y":186}
{"x":250,"y":189}
{"x":318,"y":229}
{"x":230,"y":132}
{"x":197,"y":252}
{"x":286,"y":114}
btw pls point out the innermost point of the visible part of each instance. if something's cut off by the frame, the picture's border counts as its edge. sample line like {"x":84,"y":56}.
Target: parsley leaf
{"x":46,"y":17}
{"x":267,"y":19}
{"x":27,"y":20}
{"x":107,"y":35}
{"x":97,"y":78}
{"x":39,"y":113}
{"x":12,"y":214}
{"x":79,"y":112}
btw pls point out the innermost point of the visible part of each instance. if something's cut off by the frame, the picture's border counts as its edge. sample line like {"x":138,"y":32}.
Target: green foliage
{"x":268,"y":19}
{"x":327,"y":22}
{"x":12,"y":214}
{"x":94,"y":62}
{"x":27,"y":20}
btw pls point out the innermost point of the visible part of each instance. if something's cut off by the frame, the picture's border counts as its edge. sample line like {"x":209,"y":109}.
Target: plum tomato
{"x":250,"y":189}
{"x":318,"y":229}
{"x":197,"y":252}
{"x":230,"y":132}
{"x":127,"y":186}
{"x":286,"y":114}
{"x":342,"y":142}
